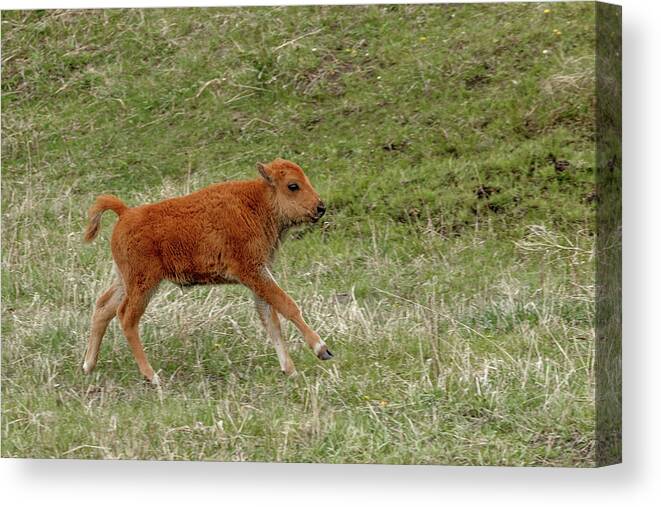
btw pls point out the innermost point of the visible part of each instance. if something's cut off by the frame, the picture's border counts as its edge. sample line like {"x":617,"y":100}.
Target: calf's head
{"x":295,"y":199}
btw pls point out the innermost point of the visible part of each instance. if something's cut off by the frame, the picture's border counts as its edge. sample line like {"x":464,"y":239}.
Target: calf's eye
{"x":293,"y":187}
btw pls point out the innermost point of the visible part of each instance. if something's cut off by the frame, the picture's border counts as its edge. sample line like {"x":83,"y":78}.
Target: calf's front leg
{"x":265,"y":287}
{"x":271,"y":322}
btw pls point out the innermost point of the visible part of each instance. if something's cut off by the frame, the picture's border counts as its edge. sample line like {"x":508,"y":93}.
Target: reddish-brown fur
{"x":225,"y":233}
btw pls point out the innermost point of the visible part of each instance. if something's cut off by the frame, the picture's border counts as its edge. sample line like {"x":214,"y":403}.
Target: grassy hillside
{"x":452,"y":276}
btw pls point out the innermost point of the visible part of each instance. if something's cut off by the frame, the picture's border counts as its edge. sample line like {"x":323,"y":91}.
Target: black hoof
{"x":325,"y":355}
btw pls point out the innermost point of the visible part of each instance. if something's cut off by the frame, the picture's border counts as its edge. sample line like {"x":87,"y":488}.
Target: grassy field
{"x":453,"y":276}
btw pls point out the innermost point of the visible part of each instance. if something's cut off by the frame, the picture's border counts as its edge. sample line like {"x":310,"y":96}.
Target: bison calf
{"x":225,"y":233}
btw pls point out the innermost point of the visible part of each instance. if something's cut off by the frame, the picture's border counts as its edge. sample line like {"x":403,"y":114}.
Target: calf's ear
{"x":263,"y":170}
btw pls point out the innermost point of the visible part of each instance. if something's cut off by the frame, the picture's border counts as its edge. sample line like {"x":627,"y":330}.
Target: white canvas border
{"x":74,"y":482}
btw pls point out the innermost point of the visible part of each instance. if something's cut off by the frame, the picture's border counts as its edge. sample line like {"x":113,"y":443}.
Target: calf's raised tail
{"x":102,"y":203}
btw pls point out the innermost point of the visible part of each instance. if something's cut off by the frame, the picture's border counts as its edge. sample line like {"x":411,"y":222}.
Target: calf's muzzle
{"x":321,"y":209}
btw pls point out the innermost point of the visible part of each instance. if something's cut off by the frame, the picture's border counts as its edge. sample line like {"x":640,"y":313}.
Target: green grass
{"x":453,"y":276}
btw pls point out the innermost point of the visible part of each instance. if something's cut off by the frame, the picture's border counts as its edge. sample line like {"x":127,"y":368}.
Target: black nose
{"x":321,"y":209}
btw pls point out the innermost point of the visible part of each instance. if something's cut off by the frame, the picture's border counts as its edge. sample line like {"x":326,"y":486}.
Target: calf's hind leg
{"x":105,"y":310}
{"x":129,"y":313}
